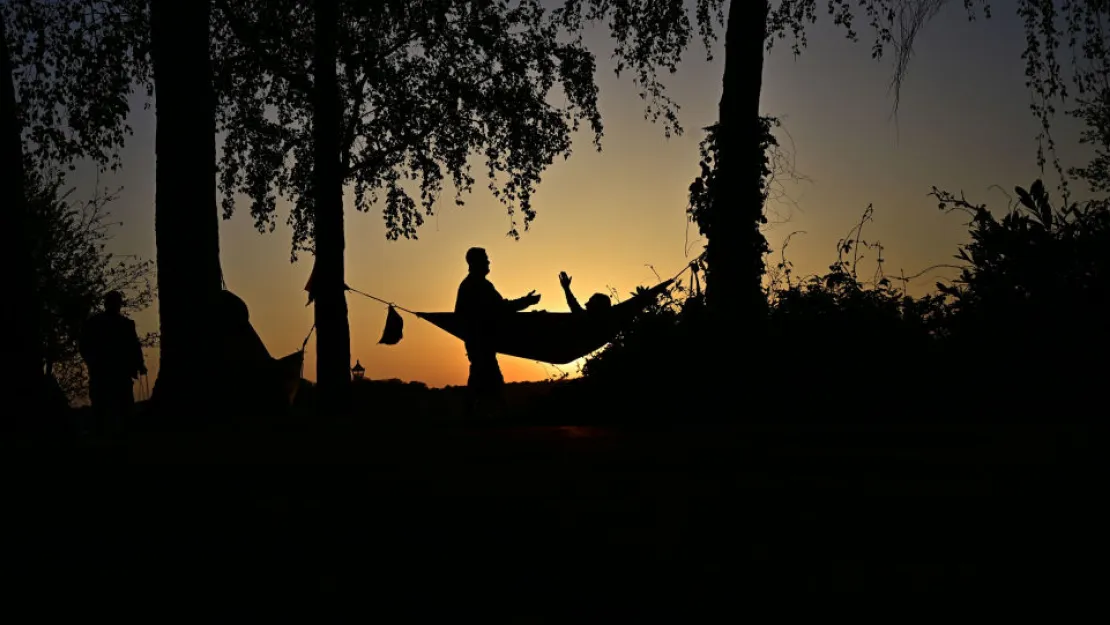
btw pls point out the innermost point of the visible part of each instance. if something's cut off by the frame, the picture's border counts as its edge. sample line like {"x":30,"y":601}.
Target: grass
{"x":606,"y":524}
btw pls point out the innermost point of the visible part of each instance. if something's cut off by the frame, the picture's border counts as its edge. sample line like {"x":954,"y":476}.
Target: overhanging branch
{"x":357,"y":98}
{"x":247,"y":35}
{"x":379,"y":159}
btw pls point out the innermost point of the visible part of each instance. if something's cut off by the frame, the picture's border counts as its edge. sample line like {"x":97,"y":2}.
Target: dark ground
{"x":548,"y":524}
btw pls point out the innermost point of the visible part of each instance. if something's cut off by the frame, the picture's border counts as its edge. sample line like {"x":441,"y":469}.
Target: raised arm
{"x":564,"y":280}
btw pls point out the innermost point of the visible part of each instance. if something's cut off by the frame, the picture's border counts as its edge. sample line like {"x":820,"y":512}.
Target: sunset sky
{"x":964,"y":124}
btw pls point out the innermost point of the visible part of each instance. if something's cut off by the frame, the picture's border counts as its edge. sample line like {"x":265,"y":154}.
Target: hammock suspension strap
{"x":304,"y":345}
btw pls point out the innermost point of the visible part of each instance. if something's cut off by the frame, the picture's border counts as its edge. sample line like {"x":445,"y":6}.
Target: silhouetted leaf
{"x":1026,"y":199}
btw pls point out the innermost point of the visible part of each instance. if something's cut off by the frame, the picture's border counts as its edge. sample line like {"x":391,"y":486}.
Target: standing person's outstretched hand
{"x":532,"y":298}
{"x":564,"y":279}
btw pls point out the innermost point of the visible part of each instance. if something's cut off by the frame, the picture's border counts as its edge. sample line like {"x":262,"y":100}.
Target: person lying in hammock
{"x":597,"y":304}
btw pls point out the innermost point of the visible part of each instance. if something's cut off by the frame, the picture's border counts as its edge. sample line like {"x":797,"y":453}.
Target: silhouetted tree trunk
{"x":333,"y":335}
{"x":20,"y":310}
{"x":735,"y":249}
{"x":186,"y":219}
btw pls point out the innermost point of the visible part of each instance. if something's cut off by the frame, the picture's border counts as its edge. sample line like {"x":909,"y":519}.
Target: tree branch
{"x":271,"y":62}
{"x":401,"y":42}
{"x":357,"y":98}
{"x":406,"y":140}
{"x":358,"y":95}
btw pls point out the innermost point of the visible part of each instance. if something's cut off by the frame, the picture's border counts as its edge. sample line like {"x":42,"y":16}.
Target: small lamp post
{"x":358,"y":371}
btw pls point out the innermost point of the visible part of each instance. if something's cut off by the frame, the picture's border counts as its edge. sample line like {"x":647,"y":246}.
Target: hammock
{"x":557,"y":338}
{"x":242,"y":352}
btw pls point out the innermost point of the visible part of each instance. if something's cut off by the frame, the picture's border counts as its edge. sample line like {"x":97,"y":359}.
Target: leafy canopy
{"x":76,"y":63}
{"x":424,"y":86}
{"x":427,"y":85}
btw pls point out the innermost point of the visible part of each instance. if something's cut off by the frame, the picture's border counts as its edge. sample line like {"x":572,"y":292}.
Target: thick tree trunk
{"x":186,"y":217}
{"x":333,"y":334}
{"x":734,"y":253}
{"x":21,"y":311}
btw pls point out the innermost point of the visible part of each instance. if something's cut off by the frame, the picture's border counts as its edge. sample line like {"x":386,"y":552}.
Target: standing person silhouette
{"x":481,"y":306}
{"x":114,"y":356}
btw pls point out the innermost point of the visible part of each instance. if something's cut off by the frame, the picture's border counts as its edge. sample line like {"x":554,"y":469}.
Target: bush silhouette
{"x":1029,"y":304}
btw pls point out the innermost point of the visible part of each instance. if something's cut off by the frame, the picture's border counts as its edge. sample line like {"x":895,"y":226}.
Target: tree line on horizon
{"x":322,"y":98}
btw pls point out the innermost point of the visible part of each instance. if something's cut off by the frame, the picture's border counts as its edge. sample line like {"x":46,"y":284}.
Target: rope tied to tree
{"x":693,"y":267}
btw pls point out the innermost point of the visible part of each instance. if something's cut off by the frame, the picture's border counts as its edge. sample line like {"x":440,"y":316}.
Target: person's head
{"x":113,"y":302}
{"x":598,"y":302}
{"x":478,"y":261}
{"x":233,"y":308}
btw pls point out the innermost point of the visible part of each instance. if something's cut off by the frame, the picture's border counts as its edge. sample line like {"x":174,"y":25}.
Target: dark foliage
{"x":73,"y":271}
{"x":702,"y":208}
{"x":425,"y":87}
{"x":1035,"y":287}
{"x":76,"y":64}
{"x":1029,"y":305}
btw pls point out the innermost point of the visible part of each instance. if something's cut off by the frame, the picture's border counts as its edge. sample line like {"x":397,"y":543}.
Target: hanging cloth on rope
{"x":308,"y":286}
{"x":394,"y":328}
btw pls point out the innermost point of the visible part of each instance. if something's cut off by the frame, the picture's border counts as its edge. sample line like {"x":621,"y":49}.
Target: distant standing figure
{"x":480,"y":305}
{"x":112,"y":352}
{"x":597,"y":303}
